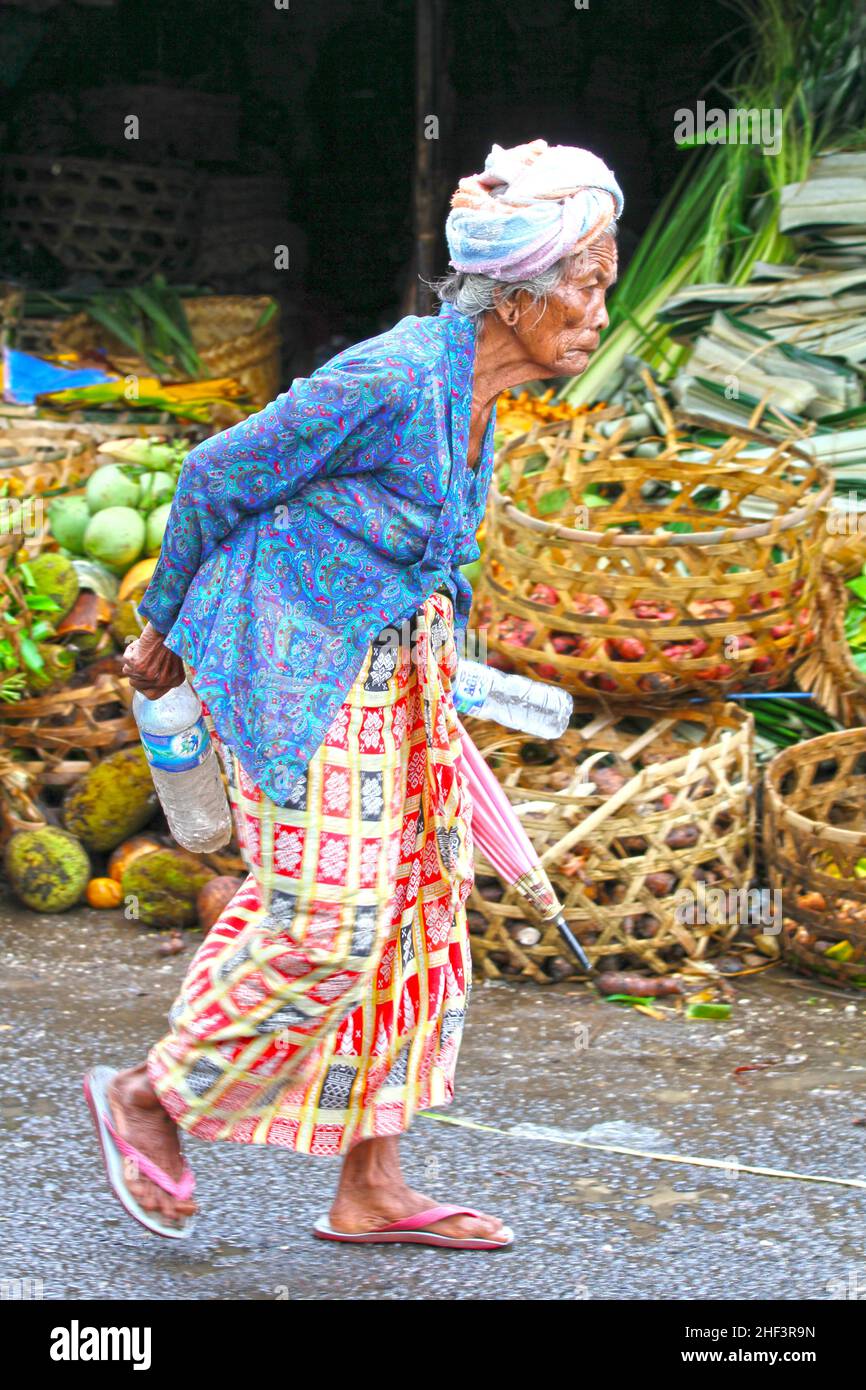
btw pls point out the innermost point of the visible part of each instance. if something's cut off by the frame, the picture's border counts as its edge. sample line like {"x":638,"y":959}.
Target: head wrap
{"x":532,"y":205}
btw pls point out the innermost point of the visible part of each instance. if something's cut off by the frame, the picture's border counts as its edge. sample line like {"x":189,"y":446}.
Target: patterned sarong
{"x":326,"y":1005}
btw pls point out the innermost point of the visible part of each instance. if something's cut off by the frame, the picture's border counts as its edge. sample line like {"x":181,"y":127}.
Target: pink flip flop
{"x":411,"y":1230}
{"x":116,"y":1149}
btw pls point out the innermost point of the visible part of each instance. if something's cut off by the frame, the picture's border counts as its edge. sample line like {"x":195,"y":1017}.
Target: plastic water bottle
{"x":532,"y":707}
{"x":185,"y":768}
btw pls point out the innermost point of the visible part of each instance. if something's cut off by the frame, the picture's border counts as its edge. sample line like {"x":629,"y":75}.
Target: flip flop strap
{"x":181,"y":1188}
{"x":428,"y":1218}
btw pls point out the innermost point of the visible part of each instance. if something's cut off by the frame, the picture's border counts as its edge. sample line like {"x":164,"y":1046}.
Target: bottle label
{"x":471,"y":686}
{"x":177,"y":752}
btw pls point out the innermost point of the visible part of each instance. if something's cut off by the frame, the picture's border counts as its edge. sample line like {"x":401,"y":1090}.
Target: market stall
{"x":677,"y":533}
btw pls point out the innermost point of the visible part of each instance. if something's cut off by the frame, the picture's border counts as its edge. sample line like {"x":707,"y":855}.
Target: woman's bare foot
{"x":372,"y":1193}
{"x":139,"y":1118}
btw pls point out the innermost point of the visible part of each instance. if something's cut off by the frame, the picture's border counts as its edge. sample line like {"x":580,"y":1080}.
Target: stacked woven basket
{"x":234,"y":335}
{"x":122,"y":222}
{"x":651,"y":583}
{"x":673,"y":589}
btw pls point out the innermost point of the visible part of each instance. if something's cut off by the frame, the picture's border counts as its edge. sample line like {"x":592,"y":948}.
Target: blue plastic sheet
{"x":25,"y":377}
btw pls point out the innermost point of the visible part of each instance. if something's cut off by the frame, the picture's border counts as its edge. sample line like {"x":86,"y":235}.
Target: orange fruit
{"x":104,"y":892}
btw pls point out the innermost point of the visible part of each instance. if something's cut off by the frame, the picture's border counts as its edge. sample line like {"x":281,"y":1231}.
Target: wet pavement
{"x":544,"y":1065}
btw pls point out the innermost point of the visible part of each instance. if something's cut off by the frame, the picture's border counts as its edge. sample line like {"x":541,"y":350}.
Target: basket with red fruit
{"x":815,"y":852}
{"x":644,"y":822}
{"x":628,"y":576}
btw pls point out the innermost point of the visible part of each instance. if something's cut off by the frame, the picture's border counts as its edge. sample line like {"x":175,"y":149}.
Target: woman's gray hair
{"x":477,"y":294}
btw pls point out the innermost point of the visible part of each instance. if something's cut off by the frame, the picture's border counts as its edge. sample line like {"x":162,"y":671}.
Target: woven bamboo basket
{"x":225,"y":331}
{"x":665,"y":596}
{"x":846,"y":541}
{"x":635,"y":816}
{"x":227,"y":337}
{"x":36,"y":461}
{"x":18,"y":810}
{"x":829,"y":671}
{"x":814,"y":839}
{"x":35,"y":335}
{"x":64,"y":732}
{"x":122,"y":222}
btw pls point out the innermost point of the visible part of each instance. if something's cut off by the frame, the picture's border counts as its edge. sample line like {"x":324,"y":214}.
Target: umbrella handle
{"x":572,"y":943}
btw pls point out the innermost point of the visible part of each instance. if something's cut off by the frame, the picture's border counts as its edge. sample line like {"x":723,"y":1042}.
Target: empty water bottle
{"x":185,"y":768}
{"x":533,"y":707}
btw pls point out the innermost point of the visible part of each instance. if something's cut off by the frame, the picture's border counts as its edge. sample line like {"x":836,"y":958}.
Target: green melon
{"x":48,"y":869}
{"x":115,"y":537}
{"x":109,"y":486}
{"x":67,"y":522}
{"x":112,"y":800}
{"x":55,"y":577}
{"x":160,"y":889}
{"x":156,"y":524}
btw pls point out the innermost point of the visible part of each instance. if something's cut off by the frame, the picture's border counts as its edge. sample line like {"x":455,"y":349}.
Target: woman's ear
{"x":509,"y":310}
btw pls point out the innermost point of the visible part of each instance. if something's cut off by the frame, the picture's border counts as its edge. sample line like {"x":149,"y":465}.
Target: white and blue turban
{"x":532,"y":205}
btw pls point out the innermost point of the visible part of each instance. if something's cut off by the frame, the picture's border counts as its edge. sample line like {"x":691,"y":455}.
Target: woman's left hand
{"x":151,"y":667}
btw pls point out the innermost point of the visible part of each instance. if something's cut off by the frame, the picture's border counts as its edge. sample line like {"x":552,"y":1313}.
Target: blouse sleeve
{"x":340,"y":420}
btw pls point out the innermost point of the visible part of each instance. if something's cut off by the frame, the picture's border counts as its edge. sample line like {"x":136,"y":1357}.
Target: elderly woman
{"x":326,"y":1005}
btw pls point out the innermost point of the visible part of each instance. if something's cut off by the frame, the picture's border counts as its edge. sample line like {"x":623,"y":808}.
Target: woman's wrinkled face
{"x":561,"y":334}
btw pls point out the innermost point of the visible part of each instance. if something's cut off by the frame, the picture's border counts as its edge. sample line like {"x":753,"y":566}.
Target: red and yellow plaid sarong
{"x":326,"y":1005}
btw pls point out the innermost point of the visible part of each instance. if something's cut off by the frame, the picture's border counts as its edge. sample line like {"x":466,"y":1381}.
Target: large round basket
{"x":235,"y":335}
{"x":815,"y":852}
{"x":239,"y":335}
{"x":829,"y":671}
{"x":633,"y":576}
{"x":645,"y":824}
{"x":122,"y":222}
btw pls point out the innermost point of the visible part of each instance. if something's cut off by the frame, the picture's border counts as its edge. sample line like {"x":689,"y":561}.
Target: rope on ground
{"x":726,"y":1164}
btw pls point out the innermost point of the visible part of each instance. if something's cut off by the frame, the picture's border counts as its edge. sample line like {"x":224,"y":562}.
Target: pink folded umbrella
{"x":497,"y":831}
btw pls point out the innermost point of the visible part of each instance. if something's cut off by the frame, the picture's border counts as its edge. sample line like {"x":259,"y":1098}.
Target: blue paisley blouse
{"x":297,"y":535}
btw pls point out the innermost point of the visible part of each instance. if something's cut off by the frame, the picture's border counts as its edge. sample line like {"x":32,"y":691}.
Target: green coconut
{"x":112,"y":800}
{"x":156,"y":524}
{"x":156,"y":489}
{"x":67,"y":522}
{"x":55,"y":577}
{"x":164,"y":886}
{"x":47,"y":869}
{"x":109,"y":486}
{"x":115,"y":537}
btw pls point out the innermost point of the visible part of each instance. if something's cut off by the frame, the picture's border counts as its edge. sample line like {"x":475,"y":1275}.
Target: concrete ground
{"x":88,"y":988}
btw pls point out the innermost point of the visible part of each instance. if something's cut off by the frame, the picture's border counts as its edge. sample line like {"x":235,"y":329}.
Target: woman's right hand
{"x":152,"y":668}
